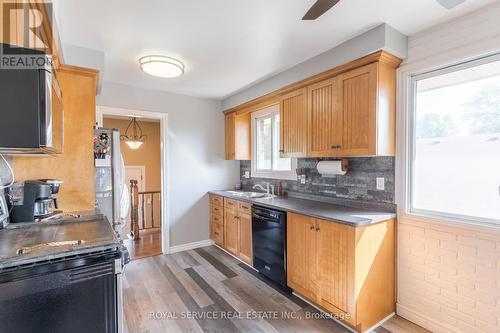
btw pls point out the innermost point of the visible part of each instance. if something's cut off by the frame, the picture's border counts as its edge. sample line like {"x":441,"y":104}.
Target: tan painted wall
{"x":75,"y":166}
{"x":148,"y":155}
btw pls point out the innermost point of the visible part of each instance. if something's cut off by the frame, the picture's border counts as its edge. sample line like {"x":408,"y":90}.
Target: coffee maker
{"x":55,"y":185}
{"x":31,"y":202}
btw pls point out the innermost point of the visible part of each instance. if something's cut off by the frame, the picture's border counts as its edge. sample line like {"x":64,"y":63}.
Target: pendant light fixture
{"x":134,"y":139}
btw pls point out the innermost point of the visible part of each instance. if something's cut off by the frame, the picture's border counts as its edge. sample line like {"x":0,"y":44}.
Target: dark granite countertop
{"x":26,"y":243}
{"x":355,"y":217}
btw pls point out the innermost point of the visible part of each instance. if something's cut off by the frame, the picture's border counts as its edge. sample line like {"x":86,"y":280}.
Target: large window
{"x":454,"y":136}
{"x":266,"y":161}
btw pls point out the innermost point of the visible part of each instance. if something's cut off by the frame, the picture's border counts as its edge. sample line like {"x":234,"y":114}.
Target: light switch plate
{"x":302,"y":179}
{"x":380,"y":183}
{"x":247,"y":174}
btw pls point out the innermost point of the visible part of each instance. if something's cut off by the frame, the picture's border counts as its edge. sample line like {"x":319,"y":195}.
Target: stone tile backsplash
{"x":358,"y":184}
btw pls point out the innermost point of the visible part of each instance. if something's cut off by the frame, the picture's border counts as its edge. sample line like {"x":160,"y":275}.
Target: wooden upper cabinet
{"x":293,"y":120}
{"x":324,"y":119}
{"x":358,"y":98}
{"x":301,"y":254}
{"x":237,"y":136}
{"x":349,"y":110}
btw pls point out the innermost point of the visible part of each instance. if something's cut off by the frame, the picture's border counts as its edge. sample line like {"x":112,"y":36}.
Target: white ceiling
{"x":228,"y":44}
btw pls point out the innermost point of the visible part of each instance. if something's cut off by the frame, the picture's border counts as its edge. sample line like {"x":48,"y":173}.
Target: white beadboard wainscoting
{"x":448,"y":272}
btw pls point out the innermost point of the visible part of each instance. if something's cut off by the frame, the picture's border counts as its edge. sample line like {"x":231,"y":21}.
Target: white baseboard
{"x":190,"y":246}
{"x":424,"y":321}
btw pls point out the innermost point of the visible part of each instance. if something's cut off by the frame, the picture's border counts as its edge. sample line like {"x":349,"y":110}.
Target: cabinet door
{"x":301,"y":255}
{"x":245,"y":238}
{"x":325,"y":119}
{"x":230,"y":121}
{"x":293,"y":124}
{"x":242,"y":136}
{"x":359,"y":103}
{"x":336,"y":266}
{"x":231,"y":231}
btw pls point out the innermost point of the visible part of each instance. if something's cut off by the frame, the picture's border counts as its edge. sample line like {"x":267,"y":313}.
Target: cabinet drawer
{"x":217,"y":210}
{"x":244,"y":207}
{"x":216,"y":219}
{"x":216,"y":200}
{"x":217,"y":233}
{"x":230,"y":204}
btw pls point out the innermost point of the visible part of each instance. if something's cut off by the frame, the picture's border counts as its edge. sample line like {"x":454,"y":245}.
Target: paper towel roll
{"x":332,"y":168}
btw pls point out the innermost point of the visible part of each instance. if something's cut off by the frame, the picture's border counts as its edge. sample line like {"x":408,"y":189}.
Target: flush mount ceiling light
{"x":161,"y":66}
{"x":135,"y":138}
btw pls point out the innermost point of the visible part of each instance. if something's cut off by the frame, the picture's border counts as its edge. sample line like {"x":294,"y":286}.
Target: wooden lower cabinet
{"x":347,"y":271}
{"x":217,"y":219}
{"x":301,"y":251}
{"x":245,"y":248}
{"x":231,"y":226}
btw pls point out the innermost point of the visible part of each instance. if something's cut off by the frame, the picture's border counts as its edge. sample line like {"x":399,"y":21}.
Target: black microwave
{"x":31,"y":111}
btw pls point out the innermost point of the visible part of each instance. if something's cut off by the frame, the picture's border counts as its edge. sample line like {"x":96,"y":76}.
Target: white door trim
{"x":165,"y":170}
{"x":143,"y":172}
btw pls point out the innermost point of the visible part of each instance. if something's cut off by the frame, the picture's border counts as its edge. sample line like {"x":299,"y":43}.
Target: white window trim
{"x":405,"y":150}
{"x":284,"y":175}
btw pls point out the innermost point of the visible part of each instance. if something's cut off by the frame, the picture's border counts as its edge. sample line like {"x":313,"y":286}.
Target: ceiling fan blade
{"x":319,"y":8}
{"x":449,"y":4}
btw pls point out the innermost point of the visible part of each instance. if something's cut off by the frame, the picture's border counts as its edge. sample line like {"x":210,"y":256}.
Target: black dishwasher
{"x":269,"y":243}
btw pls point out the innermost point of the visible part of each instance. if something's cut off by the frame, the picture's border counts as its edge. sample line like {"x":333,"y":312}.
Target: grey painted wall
{"x":196,"y":161}
{"x":85,"y":57}
{"x":358,"y":184}
{"x":382,"y":37}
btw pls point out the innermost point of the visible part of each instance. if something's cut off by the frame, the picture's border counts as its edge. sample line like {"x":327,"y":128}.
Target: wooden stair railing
{"x":134,"y":209}
{"x":143,"y":200}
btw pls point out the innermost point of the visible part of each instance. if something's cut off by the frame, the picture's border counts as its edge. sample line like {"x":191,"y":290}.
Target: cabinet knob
{"x":317,"y":229}
{"x":311,"y":227}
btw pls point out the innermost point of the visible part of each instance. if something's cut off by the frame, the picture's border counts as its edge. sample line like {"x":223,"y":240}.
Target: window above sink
{"x":266,"y":159}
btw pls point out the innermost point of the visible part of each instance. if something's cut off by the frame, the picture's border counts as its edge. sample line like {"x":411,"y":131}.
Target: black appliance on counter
{"x":269,"y":243}
{"x":34,"y":203}
{"x":80,"y":294}
{"x":32,"y":111}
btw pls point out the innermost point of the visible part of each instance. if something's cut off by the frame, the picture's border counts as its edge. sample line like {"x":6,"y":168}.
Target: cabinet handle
{"x":336,"y":146}
{"x":216,"y":233}
{"x":281,"y":150}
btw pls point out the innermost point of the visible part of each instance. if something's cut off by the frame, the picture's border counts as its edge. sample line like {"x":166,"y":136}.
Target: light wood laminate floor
{"x":207,"y":290}
{"x":149,"y":244}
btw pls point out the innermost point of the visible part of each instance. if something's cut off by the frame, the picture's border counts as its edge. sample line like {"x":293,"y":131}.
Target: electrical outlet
{"x":302,"y":179}
{"x":247,"y":174}
{"x":380,"y":183}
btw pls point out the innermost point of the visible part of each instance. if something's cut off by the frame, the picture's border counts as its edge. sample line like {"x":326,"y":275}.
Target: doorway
{"x":145,"y":164}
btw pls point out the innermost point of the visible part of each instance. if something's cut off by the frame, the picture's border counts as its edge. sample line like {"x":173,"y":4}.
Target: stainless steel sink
{"x":249,"y":195}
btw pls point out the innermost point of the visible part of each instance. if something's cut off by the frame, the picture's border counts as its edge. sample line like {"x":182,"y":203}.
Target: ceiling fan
{"x":322,"y":6}
{"x":319,"y":8}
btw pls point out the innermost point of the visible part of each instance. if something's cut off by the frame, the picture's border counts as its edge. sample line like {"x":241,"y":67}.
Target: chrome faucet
{"x":269,"y":188}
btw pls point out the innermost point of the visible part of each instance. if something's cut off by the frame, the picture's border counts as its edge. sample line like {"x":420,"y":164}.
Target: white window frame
{"x":272,"y":174}
{"x":406,"y":145}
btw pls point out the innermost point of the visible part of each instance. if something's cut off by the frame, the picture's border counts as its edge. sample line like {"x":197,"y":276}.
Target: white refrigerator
{"x":112,"y":196}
